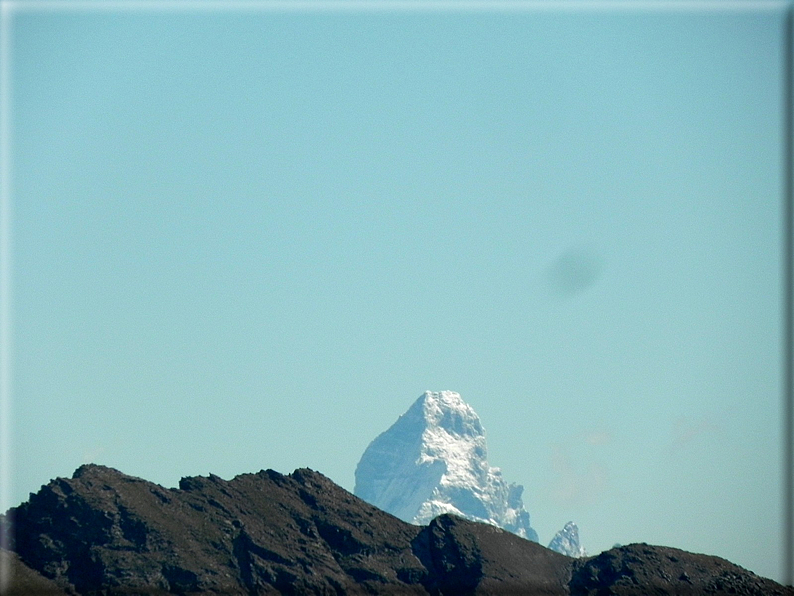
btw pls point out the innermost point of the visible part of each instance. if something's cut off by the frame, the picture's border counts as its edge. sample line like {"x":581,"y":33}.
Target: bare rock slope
{"x":103,"y":532}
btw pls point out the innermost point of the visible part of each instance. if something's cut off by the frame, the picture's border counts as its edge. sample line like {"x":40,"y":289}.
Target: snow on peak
{"x":446,"y":409}
{"x":566,"y":541}
{"x":434,"y":460}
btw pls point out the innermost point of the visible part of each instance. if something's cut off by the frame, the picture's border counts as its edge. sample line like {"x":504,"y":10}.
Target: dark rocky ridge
{"x":103,"y":532}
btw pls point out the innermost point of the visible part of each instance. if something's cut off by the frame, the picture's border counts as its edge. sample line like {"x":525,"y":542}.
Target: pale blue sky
{"x":246,"y":241}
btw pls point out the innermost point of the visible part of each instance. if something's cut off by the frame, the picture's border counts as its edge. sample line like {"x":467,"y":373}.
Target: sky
{"x":250,"y":239}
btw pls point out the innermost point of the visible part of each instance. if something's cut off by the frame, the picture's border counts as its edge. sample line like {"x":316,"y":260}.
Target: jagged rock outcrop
{"x":105,"y":533}
{"x":642,"y":569}
{"x":566,"y":541}
{"x":434,"y":460}
{"x":102,"y":530}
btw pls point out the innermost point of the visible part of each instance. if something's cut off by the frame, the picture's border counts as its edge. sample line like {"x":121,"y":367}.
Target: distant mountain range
{"x":105,"y":533}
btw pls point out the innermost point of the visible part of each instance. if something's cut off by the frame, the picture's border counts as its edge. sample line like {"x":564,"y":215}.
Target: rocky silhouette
{"x":103,"y":532}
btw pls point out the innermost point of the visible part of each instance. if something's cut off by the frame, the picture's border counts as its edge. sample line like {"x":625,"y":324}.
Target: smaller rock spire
{"x":566,"y":541}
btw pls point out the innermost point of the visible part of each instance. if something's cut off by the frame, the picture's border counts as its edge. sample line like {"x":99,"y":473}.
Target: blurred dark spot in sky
{"x":574,"y":271}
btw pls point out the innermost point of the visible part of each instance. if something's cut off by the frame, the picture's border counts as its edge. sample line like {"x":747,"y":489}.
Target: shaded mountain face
{"x":434,"y":460}
{"x":103,"y":532}
{"x":26,"y":581}
{"x":256,"y":534}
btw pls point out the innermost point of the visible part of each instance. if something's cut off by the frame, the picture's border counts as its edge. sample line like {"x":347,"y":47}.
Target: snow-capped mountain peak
{"x":566,"y":541}
{"x":434,"y":460}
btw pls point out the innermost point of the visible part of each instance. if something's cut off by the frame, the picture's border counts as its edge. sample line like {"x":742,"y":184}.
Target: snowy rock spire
{"x":566,"y":541}
{"x":434,"y":460}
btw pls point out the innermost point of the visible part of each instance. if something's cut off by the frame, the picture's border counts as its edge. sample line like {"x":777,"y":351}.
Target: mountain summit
{"x":434,"y":460}
{"x":566,"y":541}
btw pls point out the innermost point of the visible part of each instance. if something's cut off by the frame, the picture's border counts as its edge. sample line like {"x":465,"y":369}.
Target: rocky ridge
{"x":104,"y":532}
